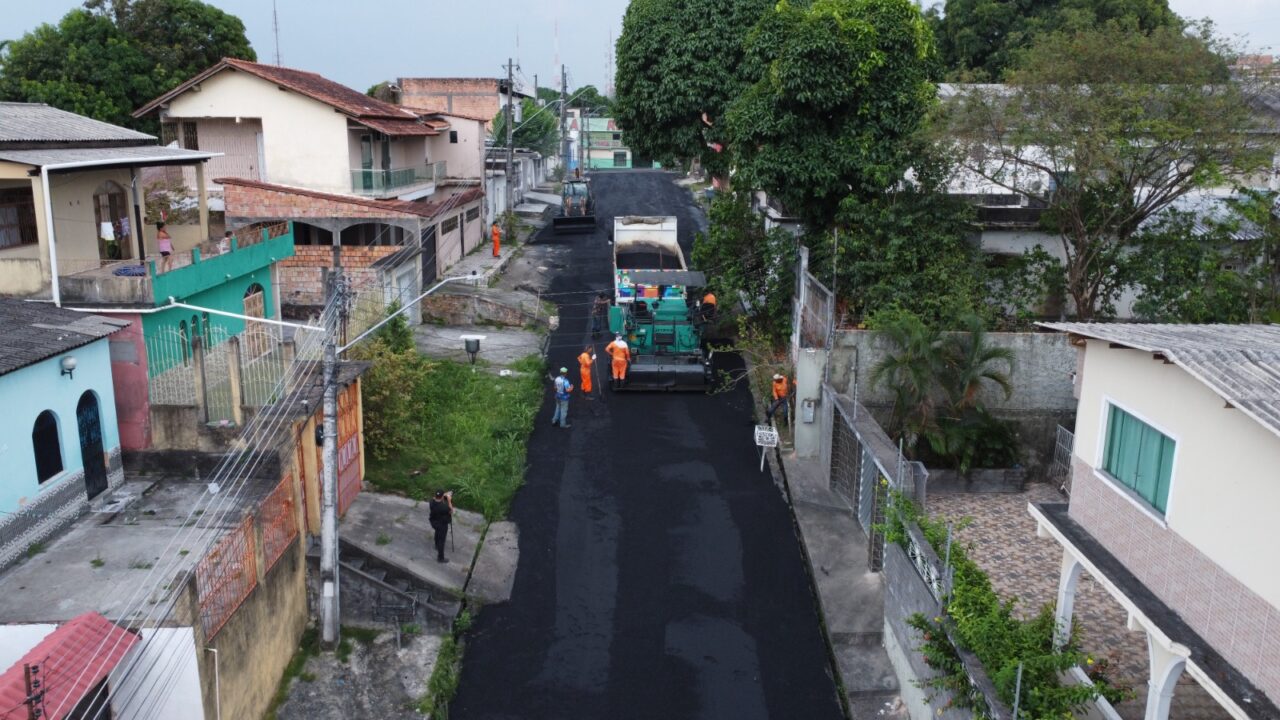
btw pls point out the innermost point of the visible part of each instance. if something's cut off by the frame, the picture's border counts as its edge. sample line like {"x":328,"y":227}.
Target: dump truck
{"x":577,"y":208}
{"x":652,"y":308}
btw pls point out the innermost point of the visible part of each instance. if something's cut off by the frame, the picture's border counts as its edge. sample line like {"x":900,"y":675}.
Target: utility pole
{"x":511,"y":98}
{"x":564,"y":133}
{"x":585,"y":143}
{"x":329,"y":601}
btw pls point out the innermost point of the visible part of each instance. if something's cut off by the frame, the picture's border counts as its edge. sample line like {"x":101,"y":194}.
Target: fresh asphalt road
{"x":660,"y":575}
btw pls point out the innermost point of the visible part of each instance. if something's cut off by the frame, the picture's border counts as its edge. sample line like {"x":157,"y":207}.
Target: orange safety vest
{"x":620,"y":353}
{"x":779,"y":388}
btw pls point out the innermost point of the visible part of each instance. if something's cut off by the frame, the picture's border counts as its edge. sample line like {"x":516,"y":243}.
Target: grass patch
{"x":383,"y":539}
{"x":35,"y":549}
{"x":308,"y":648}
{"x":443,"y":682}
{"x":467,"y":433}
{"x":97,"y":562}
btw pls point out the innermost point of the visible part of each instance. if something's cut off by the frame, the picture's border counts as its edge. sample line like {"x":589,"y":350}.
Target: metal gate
{"x":1060,"y":469}
{"x":218,"y":398}
{"x":845,"y":454}
{"x":868,"y":481}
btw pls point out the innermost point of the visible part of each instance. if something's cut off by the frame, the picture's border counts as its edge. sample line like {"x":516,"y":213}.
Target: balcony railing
{"x":607,"y":143}
{"x":387,"y":182}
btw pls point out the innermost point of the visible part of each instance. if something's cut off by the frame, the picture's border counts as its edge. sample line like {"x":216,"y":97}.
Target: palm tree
{"x":911,"y":370}
{"x":971,"y":364}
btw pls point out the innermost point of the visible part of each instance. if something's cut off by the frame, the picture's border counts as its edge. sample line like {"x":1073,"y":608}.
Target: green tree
{"x":741,"y":259}
{"x":841,"y":85}
{"x":909,"y":249}
{"x":84,"y":65}
{"x":678,"y":60}
{"x":1107,"y":127}
{"x":979,"y":39}
{"x":589,"y":97}
{"x":109,"y":59}
{"x":539,"y":131}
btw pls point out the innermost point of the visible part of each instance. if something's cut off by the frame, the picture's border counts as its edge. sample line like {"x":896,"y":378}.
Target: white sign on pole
{"x":766,"y":437}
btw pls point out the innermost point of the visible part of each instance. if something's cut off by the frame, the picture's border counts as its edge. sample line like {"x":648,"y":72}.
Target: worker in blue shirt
{"x":563,"y":389}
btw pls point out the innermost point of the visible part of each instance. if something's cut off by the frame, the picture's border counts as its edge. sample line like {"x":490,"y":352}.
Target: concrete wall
{"x":1211,"y":555}
{"x":1042,"y":395}
{"x":27,"y":392}
{"x":465,"y":158}
{"x":128,"y":351}
{"x":159,"y":678}
{"x":304,"y":140}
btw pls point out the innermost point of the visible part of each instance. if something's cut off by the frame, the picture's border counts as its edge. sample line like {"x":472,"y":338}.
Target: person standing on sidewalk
{"x":496,"y":233}
{"x":440,"y":515}
{"x":586,"y":367}
{"x":564,"y":389}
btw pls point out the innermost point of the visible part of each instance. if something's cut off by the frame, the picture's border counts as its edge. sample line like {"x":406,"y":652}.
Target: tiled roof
{"x":39,"y":123}
{"x":363,"y":108}
{"x":72,"y":660}
{"x":421,"y":208}
{"x":1241,"y":363}
{"x":148,"y":154}
{"x":33,"y":331}
{"x":446,"y":113}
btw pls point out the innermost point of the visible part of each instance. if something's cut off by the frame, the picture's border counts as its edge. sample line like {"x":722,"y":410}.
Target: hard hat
{"x":776,"y":376}
{"x":564,"y":370}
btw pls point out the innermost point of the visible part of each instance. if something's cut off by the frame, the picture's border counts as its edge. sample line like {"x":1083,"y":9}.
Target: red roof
{"x":382,"y":116}
{"x":72,"y":659}
{"x":421,"y":208}
{"x":447,"y":113}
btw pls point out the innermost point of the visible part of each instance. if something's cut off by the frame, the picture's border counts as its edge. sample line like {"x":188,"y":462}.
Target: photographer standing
{"x":440,"y":517}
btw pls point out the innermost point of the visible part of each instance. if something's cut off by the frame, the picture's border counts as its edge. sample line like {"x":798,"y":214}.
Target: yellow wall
{"x":1225,"y":487}
{"x":73,"y":217}
{"x":305,"y":141}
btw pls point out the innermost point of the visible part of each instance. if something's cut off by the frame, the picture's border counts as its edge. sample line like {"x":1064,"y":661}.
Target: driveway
{"x":660,"y":575}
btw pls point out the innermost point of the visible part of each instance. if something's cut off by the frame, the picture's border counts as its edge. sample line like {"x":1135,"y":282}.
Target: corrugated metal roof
{"x":72,"y":660}
{"x":1241,"y":363}
{"x":37,"y":122}
{"x":124,"y":155}
{"x":33,"y":331}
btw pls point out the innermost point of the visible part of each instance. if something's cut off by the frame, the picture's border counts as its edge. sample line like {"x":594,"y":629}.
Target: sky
{"x":362,"y":43}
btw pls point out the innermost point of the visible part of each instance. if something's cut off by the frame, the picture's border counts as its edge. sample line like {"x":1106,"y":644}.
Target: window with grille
{"x":168,"y":133}
{"x":190,"y":137}
{"x":453,"y":137}
{"x":1139,"y":457}
{"x":473,"y":213}
{"x":449,"y":225}
{"x":17,"y":218}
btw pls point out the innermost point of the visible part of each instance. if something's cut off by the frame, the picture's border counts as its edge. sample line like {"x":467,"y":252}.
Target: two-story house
{"x":366,"y":177}
{"x":73,"y":204}
{"x":1175,"y":484}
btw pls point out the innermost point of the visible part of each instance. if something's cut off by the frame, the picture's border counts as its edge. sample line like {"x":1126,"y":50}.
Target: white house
{"x":1175,"y":485}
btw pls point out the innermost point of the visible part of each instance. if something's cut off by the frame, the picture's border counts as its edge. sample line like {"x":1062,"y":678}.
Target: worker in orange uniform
{"x":621,"y":355}
{"x":708,"y":306}
{"x":586,"y":368}
{"x":781,"y":389}
{"x":496,"y":232}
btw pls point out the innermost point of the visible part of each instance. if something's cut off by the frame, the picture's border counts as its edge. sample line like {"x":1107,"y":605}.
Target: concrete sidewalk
{"x":850,"y":595}
{"x":395,"y":531}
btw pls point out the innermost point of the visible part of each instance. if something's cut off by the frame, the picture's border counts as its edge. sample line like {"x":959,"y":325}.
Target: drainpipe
{"x":131,"y":163}
{"x":217,"y":684}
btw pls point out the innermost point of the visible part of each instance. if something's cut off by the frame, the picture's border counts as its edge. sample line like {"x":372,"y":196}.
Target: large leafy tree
{"x":678,"y":60}
{"x":110,"y":58}
{"x":1107,"y":127}
{"x":841,"y":85}
{"x":980,"y":38}
{"x":540,"y":129}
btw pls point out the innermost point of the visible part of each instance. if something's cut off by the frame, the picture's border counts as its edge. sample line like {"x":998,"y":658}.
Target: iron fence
{"x":219,"y":358}
{"x":262,"y":365}
{"x":225,"y":577}
{"x":816,"y":313}
{"x":170,"y":368}
{"x":279,"y":521}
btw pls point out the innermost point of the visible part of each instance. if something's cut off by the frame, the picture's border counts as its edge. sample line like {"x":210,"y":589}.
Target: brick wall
{"x":1236,"y":621}
{"x":477,"y":97}
{"x":302,"y":276}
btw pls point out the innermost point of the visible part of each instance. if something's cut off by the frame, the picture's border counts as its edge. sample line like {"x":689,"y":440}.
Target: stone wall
{"x":458,"y":304}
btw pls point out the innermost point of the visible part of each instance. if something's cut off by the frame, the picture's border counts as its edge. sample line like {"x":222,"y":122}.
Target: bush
{"x":986,"y":626}
{"x":391,"y":417}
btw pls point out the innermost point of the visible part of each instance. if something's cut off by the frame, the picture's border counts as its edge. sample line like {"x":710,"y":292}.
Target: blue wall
{"x":25,"y":393}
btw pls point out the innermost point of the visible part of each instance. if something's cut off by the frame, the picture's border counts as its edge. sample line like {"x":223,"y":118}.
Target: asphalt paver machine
{"x":577,"y":208}
{"x":652,"y":308}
